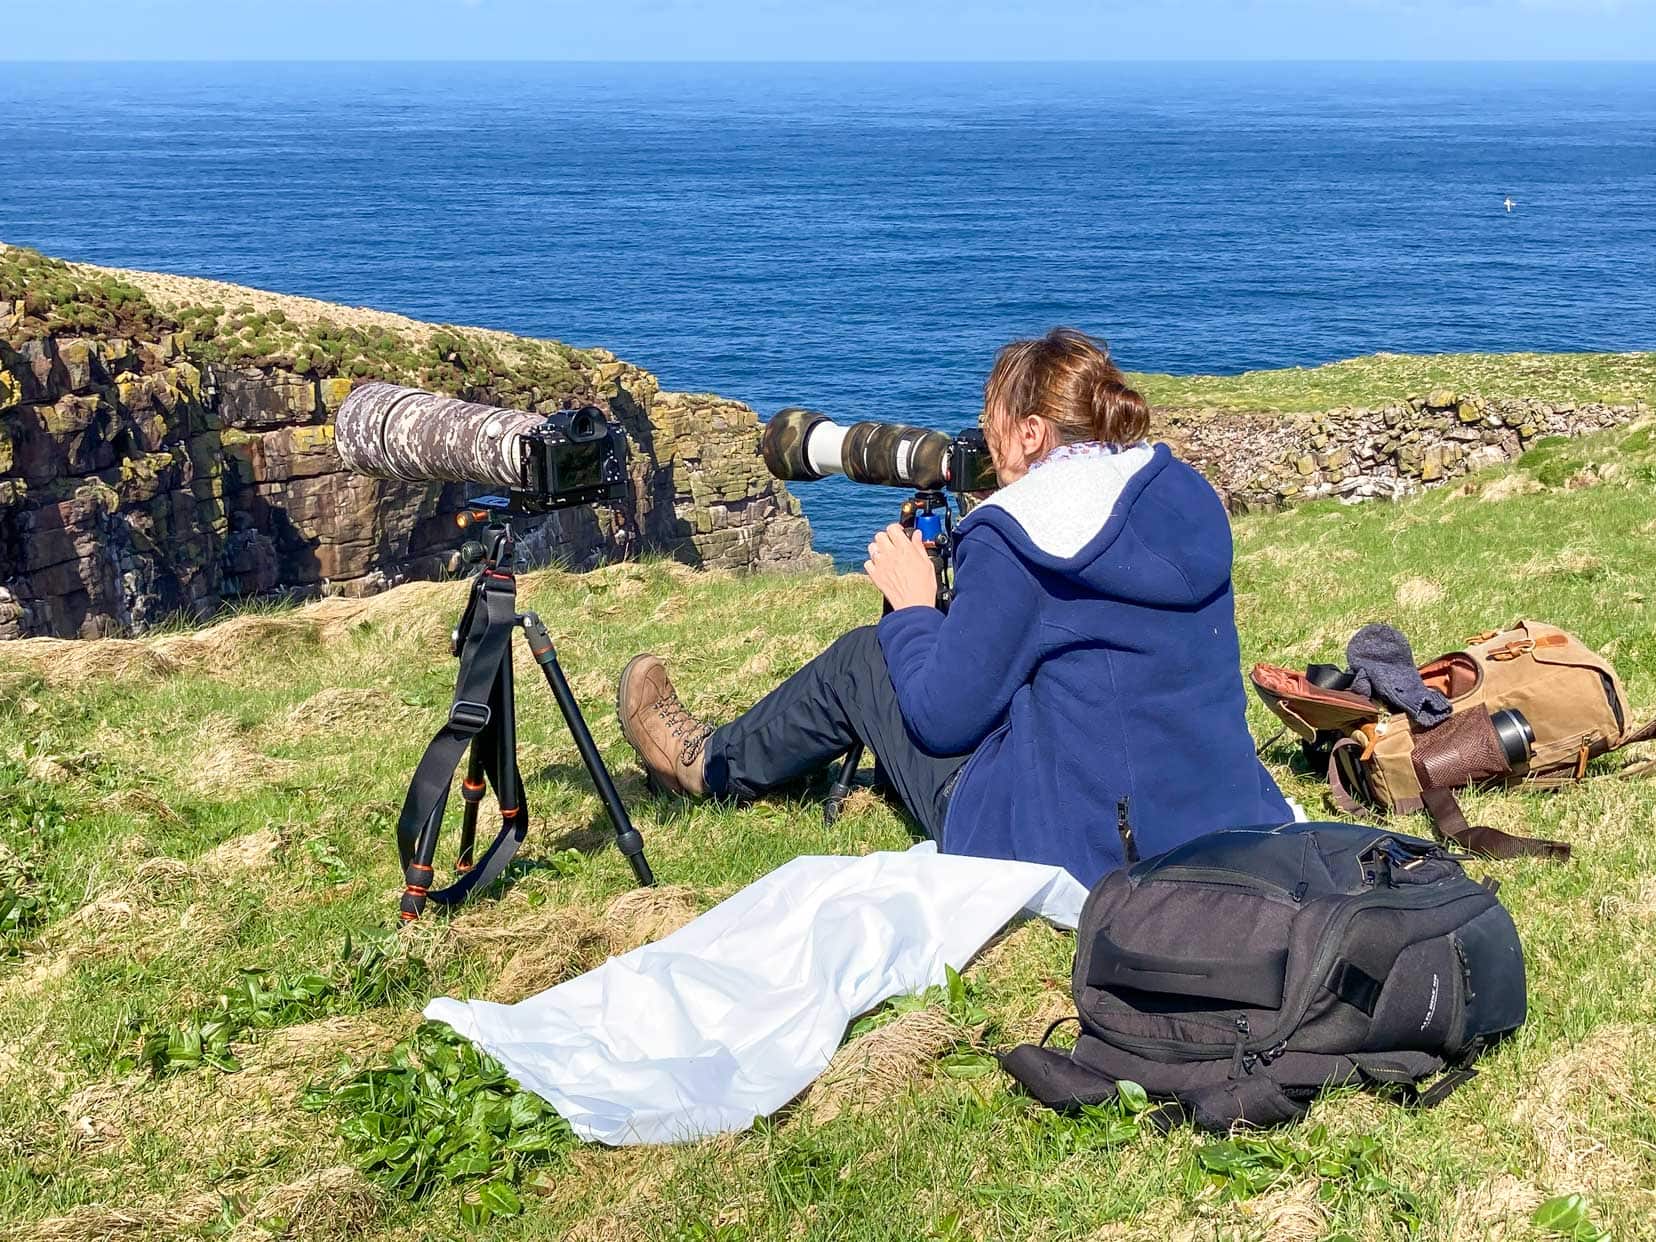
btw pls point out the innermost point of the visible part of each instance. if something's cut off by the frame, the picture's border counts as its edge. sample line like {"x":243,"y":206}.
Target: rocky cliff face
{"x":161,"y":456}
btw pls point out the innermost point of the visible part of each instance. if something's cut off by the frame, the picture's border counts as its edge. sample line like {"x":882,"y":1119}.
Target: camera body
{"x":573,"y":457}
{"x":971,"y":469}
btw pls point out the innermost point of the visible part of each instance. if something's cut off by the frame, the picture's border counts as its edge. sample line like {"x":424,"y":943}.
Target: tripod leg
{"x":627,"y":838}
{"x":843,"y":782}
{"x":420,"y":873}
{"x":471,"y":790}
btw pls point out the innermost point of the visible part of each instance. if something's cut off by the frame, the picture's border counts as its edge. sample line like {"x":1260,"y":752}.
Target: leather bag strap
{"x":1450,"y":822}
{"x":1336,"y":780}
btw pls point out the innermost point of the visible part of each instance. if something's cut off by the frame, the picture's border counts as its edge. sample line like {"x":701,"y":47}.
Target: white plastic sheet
{"x":730,"y":1017}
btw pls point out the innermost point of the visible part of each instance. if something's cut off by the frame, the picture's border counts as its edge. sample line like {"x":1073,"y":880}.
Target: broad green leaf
{"x":1564,"y":1214}
{"x":1134,"y":1098}
{"x":499,"y":1197}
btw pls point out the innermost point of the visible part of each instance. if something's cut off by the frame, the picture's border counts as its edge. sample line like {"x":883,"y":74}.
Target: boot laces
{"x":690,"y":733}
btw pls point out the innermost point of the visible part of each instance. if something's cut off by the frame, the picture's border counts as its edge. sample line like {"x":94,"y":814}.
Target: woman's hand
{"x":898,"y":564}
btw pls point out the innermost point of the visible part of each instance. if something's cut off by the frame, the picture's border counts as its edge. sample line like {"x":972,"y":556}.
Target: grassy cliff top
{"x":247,"y":327}
{"x":252,"y":326}
{"x":1380,"y":378}
{"x":181,"y":810}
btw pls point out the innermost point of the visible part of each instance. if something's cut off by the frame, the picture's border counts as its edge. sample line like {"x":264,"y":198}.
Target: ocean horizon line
{"x":1231,"y":62}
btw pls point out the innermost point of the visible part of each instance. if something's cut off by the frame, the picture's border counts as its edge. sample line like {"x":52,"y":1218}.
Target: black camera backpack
{"x":1238,"y":975}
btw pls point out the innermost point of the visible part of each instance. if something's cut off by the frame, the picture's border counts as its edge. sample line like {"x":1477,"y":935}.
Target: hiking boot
{"x":668,"y":739}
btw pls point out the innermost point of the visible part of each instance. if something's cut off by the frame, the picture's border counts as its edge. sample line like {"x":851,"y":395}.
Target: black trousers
{"x":842,"y":696}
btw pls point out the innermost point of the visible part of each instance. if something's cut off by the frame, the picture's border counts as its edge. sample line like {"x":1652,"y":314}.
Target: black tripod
{"x":929,"y":513}
{"x":483,"y":717}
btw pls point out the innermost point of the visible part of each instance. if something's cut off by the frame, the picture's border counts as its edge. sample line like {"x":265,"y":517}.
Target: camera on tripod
{"x":544,"y":461}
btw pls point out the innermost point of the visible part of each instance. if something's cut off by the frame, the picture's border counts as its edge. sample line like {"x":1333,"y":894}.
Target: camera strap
{"x":479,"y":718}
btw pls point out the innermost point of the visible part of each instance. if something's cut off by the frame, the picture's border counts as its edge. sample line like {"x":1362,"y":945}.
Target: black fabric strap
{"x":476,"y":716}
{"x":1255,"y":981}
{"x":1354,"y":985}
{"x":1411,"y":1096}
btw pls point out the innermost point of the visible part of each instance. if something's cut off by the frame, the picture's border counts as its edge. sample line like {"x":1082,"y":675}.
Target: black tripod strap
{"x":475,"y":718}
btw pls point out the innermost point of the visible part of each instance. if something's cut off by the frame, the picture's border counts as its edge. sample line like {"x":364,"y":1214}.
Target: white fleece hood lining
{"x":1062,"y":505}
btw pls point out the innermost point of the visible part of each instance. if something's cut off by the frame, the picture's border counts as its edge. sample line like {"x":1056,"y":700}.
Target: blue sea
{"x":860,"y":238}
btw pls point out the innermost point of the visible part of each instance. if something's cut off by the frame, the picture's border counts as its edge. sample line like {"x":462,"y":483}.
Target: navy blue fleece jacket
{"x":1090,"y":663}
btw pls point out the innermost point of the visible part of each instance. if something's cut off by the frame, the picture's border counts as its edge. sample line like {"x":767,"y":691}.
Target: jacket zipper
{"x":966,"y":770}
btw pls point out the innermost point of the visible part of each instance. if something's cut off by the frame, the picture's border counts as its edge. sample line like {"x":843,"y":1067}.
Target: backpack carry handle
{"x":1255,"y":981}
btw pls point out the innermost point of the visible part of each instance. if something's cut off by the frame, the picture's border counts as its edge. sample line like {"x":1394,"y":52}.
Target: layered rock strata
{"x":150,"y":470}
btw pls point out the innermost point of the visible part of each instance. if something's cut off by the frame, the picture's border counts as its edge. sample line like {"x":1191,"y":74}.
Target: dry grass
{"x":1507,"y":486}
{"x":1609,"y":1071}
{"x":253,"y":851}
{"x":340,"y":710}
{"x":1287,"y":1214}
{"x":170,"y":291}
{"x":555,"y":945}
{"x":333,"y":1203}
{"x":876,"y":1067}
{"x":1418,"y":593}
{"x":1494,"y":1210}
{"x":642,"y":915}
{"x":227,"y":767}
{"x":94,"y":1224}
{"x":226,"y":649}
{"x":69,"y":663}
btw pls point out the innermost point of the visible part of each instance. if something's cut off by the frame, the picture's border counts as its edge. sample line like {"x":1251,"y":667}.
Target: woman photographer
{"x":1080,"y":703}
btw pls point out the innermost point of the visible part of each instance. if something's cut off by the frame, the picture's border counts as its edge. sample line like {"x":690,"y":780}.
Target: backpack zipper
{"x":1218,"y":877}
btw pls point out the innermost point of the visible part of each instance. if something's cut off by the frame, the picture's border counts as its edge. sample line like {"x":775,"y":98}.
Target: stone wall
{"x":142,"y":477}
{"x":1263,"y":461}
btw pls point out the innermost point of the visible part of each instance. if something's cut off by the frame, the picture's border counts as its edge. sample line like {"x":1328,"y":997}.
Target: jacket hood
{"x":1136,"y":524}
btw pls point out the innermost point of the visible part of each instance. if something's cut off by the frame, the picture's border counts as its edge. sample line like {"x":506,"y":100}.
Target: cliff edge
{"x":166,"y":447}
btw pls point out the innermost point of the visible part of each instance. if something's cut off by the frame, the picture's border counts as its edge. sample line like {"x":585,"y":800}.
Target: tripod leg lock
{"x":540,"y":642}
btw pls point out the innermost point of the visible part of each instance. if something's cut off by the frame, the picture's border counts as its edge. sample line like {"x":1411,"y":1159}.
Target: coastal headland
{"x":166,"y":444}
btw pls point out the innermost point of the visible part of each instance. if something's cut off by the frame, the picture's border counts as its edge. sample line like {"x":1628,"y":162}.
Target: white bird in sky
{"x":1509,"y":204}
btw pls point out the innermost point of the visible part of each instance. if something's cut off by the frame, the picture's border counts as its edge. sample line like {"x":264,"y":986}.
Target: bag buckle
{"x":1371,"y":739}
{"x":467,"y":716}
{"x":1512,"y":650}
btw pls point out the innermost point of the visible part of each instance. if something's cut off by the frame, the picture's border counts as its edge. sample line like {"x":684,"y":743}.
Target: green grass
{"x":1380,"y":378}
{"x":127,"y":768}
{"x":121,"y":776}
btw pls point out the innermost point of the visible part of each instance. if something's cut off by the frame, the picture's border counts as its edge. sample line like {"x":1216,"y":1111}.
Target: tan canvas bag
{"x":1566,"y":692}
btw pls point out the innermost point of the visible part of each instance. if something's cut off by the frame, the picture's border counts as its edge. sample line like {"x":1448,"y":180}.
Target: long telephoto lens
{"x":404,"y":433}
{"x":802,"y":445}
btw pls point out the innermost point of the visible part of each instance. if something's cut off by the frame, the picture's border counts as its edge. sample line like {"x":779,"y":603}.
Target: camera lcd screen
{"x":580,"y":464}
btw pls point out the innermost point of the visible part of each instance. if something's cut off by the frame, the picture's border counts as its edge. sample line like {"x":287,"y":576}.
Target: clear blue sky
{"x":828,"y":29}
